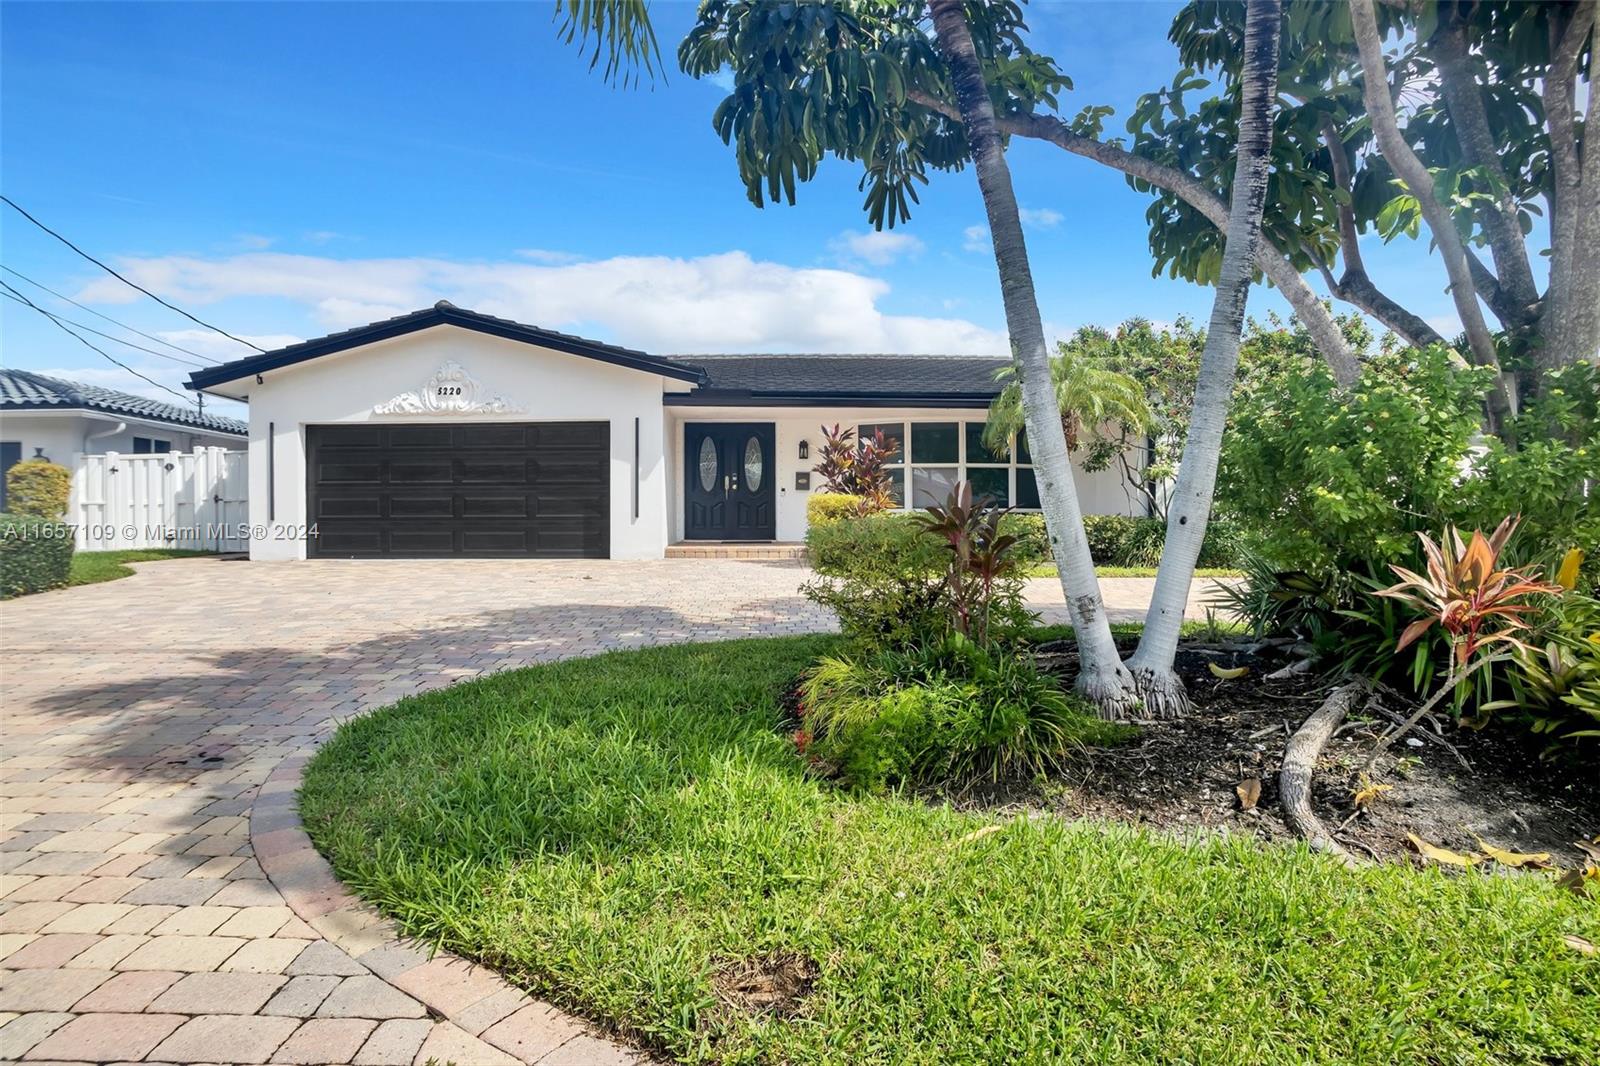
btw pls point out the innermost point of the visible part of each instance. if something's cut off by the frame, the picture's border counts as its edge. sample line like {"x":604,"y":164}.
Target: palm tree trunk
{"x":1102,"y":678}
{"x":1190,"y":508}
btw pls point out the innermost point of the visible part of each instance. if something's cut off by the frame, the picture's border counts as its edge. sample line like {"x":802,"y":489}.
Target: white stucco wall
{"x":548,"y":385}
{"x":64,"y":435}
{"x":1102,"y":492}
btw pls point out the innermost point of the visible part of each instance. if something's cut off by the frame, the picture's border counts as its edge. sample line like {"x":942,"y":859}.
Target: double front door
{"x":731,"y":483}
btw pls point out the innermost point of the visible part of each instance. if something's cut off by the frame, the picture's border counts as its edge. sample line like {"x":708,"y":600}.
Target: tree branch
{"x":1313,"y":315}
{"x":1356,"y":285}
{"x":1409,"y":168}
{"x":1459,"y":86}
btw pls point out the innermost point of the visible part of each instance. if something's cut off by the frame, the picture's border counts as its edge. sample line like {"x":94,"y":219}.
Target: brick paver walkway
{"x":147,"y":720}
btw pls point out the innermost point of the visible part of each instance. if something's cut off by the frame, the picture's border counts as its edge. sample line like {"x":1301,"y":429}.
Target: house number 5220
{"x":448,"y":390}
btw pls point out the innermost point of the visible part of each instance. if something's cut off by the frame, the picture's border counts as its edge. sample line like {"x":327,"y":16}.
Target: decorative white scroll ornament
{"x":451,"y":391}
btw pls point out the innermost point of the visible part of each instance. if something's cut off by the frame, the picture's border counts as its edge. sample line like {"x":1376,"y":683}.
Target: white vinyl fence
{"x":195,"y":500}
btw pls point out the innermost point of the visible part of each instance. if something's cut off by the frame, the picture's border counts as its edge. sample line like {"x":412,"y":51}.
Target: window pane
{"x":753,"y":465}
{"x":931,"y":485}
{"x":894,"y":436}
{"x":934,"y":442}
{"x":897,"y":476}
{"x":976,"y":452}
{"x":1022,"y":448}
{"x":163,"y":446}
{"x":991,"y":482}
{"x":141,"y":445}
{"x":1027,"y":489}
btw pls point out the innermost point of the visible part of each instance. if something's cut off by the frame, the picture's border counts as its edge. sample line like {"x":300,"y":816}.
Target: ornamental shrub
{"x":949,"y":712}
{"x":886,"y":578}
{"x":35,"y":554}
{"x":825,"y":507}
{"x":38,"y":487}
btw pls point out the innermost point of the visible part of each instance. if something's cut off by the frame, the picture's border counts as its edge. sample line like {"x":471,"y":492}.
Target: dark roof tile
{"x":24,"y":390}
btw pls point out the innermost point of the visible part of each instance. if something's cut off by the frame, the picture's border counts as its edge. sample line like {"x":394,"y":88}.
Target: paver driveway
{"x":142,"y":719}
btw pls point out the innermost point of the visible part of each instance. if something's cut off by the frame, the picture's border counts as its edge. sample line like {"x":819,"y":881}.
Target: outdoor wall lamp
{"x":805,"y":450}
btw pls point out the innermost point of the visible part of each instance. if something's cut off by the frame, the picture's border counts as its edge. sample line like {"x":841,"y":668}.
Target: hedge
{"x":35,"y":554}
{"x":892,"y":541}
{"x":825,"y":507}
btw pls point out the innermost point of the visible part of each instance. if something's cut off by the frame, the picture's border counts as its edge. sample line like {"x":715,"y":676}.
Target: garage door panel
{"x":351,"y":472}
{"x":403,"y":541}
{"x":344,"y":506}
{"x":352,"y":436}
{"x":492,"y":471}
{"x":422,"y":506}
{"x":418,"y":472}
{"x":484,"y":489}
{"x":475,"y":506}
{"x":431,"y":437}
{"x":492,"y":436}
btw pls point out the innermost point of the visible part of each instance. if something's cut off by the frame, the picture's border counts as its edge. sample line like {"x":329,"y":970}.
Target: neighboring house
{"x":61,"y":420}
{"x":450,"y":433}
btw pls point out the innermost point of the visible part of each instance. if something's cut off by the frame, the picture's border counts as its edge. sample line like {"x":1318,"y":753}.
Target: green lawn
{"x":613,"y":832}
{"x":88,"y":568}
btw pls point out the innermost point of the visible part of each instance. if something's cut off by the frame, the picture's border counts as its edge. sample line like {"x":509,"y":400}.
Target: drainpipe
{"x":112,"y":432}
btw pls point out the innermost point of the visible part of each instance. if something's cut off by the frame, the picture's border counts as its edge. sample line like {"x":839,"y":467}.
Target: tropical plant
{"x":1468,"y":594}
{"x":947,"y":712}
{"x":981,"y":557}
{"x":890,"y":583}
{"x":855,"y":468}
{"x":1189,"y":510}
{"x":1091,"y":398}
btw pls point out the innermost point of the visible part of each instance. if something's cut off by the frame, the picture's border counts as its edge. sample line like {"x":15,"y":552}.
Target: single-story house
{"x":446,"y":432}
{"x":43,"y":416}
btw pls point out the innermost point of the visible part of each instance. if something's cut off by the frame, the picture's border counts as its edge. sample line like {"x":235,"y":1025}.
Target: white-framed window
{"x":931,"y":455}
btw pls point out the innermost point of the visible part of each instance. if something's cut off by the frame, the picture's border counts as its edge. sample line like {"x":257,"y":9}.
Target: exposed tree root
{"x":1110,"y":689}
{"x":1300,"y":760}
{"x":1162,"y":691}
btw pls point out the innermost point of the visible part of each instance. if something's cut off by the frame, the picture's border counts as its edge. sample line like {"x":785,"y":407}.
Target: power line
{"x":107,"y":336}
{"x":108,"y":318}
{"x":81,"y":340}
{"x":13,"y":205}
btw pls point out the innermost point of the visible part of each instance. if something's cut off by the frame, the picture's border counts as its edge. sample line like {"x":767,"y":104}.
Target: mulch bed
{"x":1188,"y":774}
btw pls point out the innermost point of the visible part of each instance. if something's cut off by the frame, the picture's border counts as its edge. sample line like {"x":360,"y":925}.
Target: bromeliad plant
{"x":857,"y":468}
{"x":981,"y":560}
{"x":1479,"y":605}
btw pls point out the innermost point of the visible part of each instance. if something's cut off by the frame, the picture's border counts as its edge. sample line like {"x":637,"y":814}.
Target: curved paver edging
{"x":503,"y":1023}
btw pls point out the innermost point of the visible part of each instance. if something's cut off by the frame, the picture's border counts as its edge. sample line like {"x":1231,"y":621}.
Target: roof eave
{"x":712,"y":397}
{"x":203,"y":380}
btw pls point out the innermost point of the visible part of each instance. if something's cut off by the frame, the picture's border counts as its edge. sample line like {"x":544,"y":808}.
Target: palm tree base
{"x":1161,"y":690}
{"x":1110,"y":688}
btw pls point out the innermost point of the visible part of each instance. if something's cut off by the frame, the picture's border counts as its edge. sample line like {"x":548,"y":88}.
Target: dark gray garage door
{"x":533,"y":489}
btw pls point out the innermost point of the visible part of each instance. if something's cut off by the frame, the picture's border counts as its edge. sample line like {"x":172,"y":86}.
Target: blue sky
{"x":285,"y":170}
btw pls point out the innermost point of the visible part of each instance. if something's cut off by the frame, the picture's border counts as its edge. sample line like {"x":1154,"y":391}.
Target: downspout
{"x":112,"y":432}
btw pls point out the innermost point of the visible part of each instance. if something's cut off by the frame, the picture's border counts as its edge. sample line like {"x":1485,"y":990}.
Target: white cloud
{"x":321,"y":236}
{"x":548,"y":256}
{"x":215,"y":346}
{"x":255,"y":242}
{"x":877,"y":247}
{"x":1447,"y":326}
{"x":724,"y":302}
{"x":976,"y":238}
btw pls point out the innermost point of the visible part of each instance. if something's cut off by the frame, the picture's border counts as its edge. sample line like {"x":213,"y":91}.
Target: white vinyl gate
{"x":195,"y":500}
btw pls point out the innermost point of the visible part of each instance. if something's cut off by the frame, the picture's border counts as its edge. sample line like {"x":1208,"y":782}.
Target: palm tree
{"x":1190,"y":507}
{"x":1087,"y":395}
{"x":1102,"y":679}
